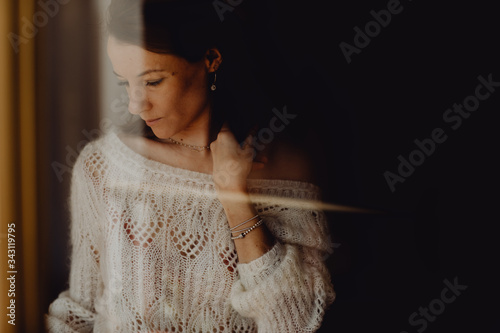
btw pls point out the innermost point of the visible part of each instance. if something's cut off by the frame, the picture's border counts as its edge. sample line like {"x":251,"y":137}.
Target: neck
{"x":187,"y":145}
{"x":195,"y":138}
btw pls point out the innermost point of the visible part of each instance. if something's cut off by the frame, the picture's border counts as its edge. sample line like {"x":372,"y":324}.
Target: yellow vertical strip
{"x":8,"y":159}
{"x":28,"y":170}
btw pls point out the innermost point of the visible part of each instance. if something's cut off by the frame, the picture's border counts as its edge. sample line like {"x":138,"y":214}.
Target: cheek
{"x":179,"y":103}
{"x":193,"y":85}
{"x":186,"y":95}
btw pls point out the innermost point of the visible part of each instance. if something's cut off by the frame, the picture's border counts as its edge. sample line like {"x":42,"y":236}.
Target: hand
{"x":232,"y":163}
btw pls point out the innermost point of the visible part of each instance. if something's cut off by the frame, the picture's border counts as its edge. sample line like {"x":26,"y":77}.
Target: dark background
{"x":358,"y":118}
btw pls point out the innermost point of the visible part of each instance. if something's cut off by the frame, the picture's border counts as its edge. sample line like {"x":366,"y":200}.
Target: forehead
{"x":128,"y":59}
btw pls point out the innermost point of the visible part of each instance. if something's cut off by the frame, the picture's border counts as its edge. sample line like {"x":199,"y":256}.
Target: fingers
{"x":248,"y":141}
{"x":246,"y":148}
{"x":225,"y":127}
{"x":225,"y":138}
{"x":261,"y":159}
{"x":259,"y":163}
{"x":225,"y":133}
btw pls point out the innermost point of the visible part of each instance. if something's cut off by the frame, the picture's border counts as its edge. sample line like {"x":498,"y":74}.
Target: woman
{"x":183,"y":229}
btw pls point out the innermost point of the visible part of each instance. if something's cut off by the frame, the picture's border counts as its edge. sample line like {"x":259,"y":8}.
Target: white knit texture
{"x":152,"y":252}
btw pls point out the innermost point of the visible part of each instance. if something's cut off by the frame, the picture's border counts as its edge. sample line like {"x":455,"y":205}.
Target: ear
{"x":213,"y":59}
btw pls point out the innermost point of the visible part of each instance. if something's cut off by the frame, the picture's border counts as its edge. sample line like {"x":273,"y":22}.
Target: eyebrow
{"x":144,"y":73}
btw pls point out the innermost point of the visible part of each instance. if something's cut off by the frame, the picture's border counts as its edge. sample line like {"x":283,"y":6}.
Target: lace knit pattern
{"x":152,"y":252}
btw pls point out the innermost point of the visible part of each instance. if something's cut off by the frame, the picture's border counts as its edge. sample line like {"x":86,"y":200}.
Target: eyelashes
{"x":154,"y":83}
{"x":147,"y":83}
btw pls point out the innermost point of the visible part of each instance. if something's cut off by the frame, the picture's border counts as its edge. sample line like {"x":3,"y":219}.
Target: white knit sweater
{"x":151,"y":252}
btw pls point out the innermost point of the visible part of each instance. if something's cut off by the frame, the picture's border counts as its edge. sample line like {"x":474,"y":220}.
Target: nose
{"x":138,"y":100}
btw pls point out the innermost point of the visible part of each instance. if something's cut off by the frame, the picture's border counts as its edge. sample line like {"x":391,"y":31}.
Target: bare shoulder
{"x":138,"y":144}
{"x":287,"y":162}
{"x":134,"y":142}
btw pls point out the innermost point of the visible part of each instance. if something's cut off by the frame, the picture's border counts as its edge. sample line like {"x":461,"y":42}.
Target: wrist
{"x":238,"y":211}
{"x":233,"y":196}
{"x":227,"y":191}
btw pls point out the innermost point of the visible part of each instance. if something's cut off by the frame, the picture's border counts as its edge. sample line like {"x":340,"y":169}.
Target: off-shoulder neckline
{"x":118,"y":149}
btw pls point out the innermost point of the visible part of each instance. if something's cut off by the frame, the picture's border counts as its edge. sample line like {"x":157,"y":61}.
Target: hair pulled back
{"x":188,"y":29}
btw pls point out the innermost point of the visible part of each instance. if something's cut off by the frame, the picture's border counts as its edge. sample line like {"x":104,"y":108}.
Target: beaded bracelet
{"x":245,"y":229}
{"x":244,"y":222}
{"x":243,"y":234}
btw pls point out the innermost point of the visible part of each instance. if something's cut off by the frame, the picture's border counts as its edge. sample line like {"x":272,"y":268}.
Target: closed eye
{"x":148,"y":83}
{"x":154,"y":83}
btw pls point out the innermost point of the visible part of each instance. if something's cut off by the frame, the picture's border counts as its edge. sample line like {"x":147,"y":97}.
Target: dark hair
{"x":188,"y":28}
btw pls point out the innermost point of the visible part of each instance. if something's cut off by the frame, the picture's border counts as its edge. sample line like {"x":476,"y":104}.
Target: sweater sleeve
{"x":73,"y":310}
{"x":289,"y":288}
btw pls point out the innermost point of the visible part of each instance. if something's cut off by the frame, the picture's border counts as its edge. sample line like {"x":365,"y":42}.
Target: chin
{"x":158,"y":133}
{"x":161,"y":132}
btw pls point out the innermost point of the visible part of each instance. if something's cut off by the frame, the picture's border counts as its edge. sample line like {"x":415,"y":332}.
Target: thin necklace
{"x":193,"y":147}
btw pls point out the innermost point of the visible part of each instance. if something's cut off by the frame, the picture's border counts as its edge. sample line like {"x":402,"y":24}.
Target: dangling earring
{"x":214,"y":87}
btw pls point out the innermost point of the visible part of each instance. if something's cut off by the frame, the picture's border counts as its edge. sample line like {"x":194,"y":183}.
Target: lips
{"x":152,"y":122}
